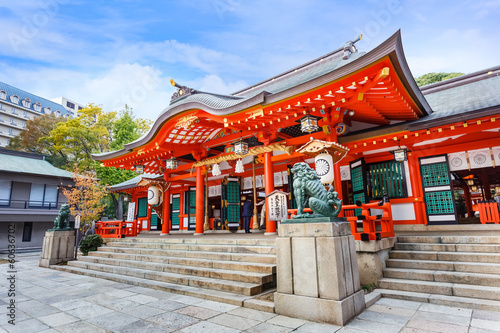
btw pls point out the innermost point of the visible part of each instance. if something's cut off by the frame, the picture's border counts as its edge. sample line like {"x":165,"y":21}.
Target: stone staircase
{"x":460,"y":271}
{"x":225,"y":270}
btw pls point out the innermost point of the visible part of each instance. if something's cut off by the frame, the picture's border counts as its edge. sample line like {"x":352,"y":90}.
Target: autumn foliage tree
{"x":86,"y":196}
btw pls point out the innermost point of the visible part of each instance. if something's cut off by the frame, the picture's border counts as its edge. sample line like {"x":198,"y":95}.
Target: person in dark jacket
{"x":247,"y":214}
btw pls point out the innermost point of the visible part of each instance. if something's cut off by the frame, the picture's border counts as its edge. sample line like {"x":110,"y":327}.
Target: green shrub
{"x":90,"y":243}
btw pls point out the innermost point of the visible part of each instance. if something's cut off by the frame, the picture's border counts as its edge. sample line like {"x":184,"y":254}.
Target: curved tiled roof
{"x":309,"y":76}
{"x":10,"y":91}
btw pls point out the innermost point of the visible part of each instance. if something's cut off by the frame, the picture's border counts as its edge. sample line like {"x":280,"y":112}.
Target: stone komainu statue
{"x":309,"y":191}
{"x":62,"y":220}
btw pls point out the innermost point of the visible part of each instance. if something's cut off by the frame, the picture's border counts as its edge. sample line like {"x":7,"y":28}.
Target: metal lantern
{"x":241,"y":147}
{"x":139,"y":169}
{"x":309,"y":124}
{"x":171,"y":163}
{"x":400,"y":155}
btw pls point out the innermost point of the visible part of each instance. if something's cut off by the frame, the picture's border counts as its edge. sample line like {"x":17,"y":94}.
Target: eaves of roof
{"x":219,"y":106}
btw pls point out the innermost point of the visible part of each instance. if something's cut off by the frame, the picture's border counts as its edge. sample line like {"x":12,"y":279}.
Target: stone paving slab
{"x":51,"y":301}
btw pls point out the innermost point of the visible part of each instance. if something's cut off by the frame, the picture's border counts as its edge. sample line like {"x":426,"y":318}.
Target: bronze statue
{"x":61,"y":223}
{"x":309,"y":191}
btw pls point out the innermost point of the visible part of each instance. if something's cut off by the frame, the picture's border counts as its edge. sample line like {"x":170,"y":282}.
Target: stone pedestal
{"x":58,"y":246}
{"x":317,"y":271}
{"x":371,"y":259}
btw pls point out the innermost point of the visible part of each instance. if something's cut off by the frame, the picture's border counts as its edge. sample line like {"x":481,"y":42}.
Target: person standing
{"x":247,"y":214}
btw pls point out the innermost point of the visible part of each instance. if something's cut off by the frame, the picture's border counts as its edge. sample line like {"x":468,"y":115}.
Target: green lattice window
{"x":439,"y":202}
{"x":142,"y":207}
{"x":435,"y":174}
{"x":357,"y":179}
{"x":233,"y":213}
{"x":190,"y":205}
{"x":387,"y":177}
{"x":176,"y":206}
{"x":358,"y":197}
{"x":233,"y":192}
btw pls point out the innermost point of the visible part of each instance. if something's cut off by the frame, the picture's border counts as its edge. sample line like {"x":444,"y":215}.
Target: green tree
{"x":435,"y":77}
{"x":31,"y":140}
{"x":127,"y":129}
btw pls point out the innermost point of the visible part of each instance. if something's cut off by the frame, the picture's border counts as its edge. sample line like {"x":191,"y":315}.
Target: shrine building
{"x":434,"y":150}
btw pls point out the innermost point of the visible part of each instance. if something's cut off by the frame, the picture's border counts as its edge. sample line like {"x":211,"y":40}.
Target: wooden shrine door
{"x":175,"y":210}
{"x":359,"y":184}
{"x":230,"y":197}
{"x":438,"y":190}
{"x":190,"y":207}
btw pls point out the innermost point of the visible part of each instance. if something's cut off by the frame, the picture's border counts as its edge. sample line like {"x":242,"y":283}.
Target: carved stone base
{"x":58,"y":246}
{"x":317,"y":272}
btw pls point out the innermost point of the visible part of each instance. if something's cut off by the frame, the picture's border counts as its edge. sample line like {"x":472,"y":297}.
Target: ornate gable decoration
{"x":315,"y":147}
{"x":181,"y":92}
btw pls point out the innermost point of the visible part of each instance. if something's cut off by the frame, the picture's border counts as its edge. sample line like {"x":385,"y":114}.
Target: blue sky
{"x":125,"y":52}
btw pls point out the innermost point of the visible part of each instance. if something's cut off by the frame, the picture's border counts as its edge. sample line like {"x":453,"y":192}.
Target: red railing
{"x":488,"y":212}
{"x":375,"y":227}
{"x":116,"y":229}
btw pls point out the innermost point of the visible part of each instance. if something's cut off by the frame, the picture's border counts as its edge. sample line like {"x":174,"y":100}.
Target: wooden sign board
{"x":277,"y":202}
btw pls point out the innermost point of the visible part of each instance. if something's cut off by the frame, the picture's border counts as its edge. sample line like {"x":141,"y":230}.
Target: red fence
{"x":374,"y":227}
{"x":116,"y":229}
{"x":488,"y":212}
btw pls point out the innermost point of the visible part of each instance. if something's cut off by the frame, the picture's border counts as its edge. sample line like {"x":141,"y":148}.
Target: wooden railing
{"x":116,"y":229}
{"x":488,"y":212}
{"x":374,"y":227}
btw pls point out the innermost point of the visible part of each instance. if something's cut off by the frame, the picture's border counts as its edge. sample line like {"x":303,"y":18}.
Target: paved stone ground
{"x":54,"y":301}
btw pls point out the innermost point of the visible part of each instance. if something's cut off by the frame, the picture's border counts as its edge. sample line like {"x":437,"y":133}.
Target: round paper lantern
{"x":154,"y":196}
{"x":324,"y":167}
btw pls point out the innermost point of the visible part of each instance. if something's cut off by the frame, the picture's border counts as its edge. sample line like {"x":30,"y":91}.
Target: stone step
{"x":243,"y":288}
{"x":454,"y":301}
{"x":441,"y":288}
{"x":459,"y":266}
{"x":241,"y":257}
{"x":220,"y":264}
{"x":450,"y":239}
{"x":224,"y":274}
{"x":491,"y":280}
{"x":486,"y":248}
{"x":446,"y":256}
{"x":198,"y":240}
{"x":213,"y":295}
{"x":257,"y":249}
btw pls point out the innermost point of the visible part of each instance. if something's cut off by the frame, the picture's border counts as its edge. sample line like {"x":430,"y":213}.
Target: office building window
{"x":37,"y":106}
{"x":43,"y":196}
{"x":24,"y":124}
{"x":14,"y":99}
{"x":25,"y":114}
{"x":70,"y":105}
{"x":27,"y":230}
{"x":5,"y":189}
{"x":10,"y":131}
{"x":3,"y":95}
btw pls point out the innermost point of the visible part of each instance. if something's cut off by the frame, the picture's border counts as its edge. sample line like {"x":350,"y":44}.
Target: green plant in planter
{"x":90,"y":243}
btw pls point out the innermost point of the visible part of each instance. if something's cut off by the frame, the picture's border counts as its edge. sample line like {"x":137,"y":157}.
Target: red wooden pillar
{"x":199,"y":202}
{"x":416,"y":187}
{"x":165,"y":227}
{"x":269,"y":179}
{"x":468,"y":200}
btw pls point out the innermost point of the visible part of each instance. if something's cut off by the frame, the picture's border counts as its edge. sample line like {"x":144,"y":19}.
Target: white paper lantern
{"x":154,"y":196}
{"x":324,"y":167}
{"x":239,"y":167}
